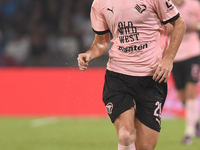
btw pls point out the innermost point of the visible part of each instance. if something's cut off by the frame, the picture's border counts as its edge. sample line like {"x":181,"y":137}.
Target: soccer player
{"x":186,"y":66}
{"x":139,"y":64}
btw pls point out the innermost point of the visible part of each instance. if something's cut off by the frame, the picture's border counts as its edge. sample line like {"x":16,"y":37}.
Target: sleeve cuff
{"x":172,"y":19}
{"x":101,"y":32}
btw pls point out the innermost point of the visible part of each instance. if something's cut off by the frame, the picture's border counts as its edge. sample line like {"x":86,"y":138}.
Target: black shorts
{"x":121,"y":92}
{"x":186,"y":71}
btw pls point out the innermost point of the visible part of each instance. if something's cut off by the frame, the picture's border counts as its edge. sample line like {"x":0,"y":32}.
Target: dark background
{"x":45,"y":32}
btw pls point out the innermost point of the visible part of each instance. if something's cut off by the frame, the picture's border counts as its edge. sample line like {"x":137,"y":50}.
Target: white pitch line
{"x":43,"y":122}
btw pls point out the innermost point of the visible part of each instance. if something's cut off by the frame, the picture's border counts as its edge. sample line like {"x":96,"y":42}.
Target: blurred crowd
{"x":44,"y":32}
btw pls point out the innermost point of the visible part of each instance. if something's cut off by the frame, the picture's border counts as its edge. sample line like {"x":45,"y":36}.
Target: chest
{"x":128,"y":13}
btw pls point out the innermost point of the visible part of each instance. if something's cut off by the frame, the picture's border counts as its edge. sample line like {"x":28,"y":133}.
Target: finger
{"x":155,"y":75}
{"x":153,"y":66}
{"x":81,"y":59}
{"x":168,"y":75}
{"x":83,"y":63}
{"x":82,"y":68}
{"x":163,"y":77}
{"x":159,"y":75}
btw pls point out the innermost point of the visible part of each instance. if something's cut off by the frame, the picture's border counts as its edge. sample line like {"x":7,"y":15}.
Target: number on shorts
{"x":157,"y":111}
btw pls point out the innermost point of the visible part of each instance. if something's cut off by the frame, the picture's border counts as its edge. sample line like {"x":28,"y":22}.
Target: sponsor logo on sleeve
{"x":169,"y":5}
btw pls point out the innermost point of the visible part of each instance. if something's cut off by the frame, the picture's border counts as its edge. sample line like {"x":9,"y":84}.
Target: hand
{"x":163,"y":69}
{"x":83,"y":60}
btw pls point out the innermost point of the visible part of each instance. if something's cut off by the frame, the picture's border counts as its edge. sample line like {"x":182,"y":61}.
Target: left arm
{"x":164,"y":67}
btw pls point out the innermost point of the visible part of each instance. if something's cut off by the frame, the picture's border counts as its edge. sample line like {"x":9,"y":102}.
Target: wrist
{"x":90,"y":54}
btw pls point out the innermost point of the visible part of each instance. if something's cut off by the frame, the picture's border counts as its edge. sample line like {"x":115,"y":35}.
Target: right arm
{"x":97,"y":49}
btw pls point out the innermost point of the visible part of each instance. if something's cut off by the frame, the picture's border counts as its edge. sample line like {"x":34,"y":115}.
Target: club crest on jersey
{"x":140,"y":8}
{"x":109,"y":108}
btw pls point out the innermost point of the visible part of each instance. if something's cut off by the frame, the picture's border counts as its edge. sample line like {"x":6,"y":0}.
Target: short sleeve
{"x":166,"y":11}
{"x":98,"y":20}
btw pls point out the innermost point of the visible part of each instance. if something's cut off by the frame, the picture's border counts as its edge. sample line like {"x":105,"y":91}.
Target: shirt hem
{"x":144,"y":74}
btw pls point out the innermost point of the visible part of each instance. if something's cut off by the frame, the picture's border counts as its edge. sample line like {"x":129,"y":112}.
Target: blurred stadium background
{"x":46,"y":103}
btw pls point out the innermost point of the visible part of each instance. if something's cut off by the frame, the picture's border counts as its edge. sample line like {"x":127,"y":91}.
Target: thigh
{"x":149,"y":103}
{"x":126,"y":119}
{"x":189,"y":92}
{"x":186,"y":71}
{"x":116,"y":94}
{"x":192,"y":70}
{"x":125,"y":126}
{"x":146,"y":138}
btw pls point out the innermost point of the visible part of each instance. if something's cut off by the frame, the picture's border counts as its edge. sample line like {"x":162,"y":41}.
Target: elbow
{"x":178,"y":25}
{"x":182,"y":24}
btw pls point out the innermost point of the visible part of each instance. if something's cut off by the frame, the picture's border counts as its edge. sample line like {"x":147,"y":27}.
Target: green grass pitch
{"x":78,"y":134}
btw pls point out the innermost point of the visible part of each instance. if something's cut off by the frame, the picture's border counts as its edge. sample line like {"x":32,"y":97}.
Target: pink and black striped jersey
{"x":138,"y":30}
